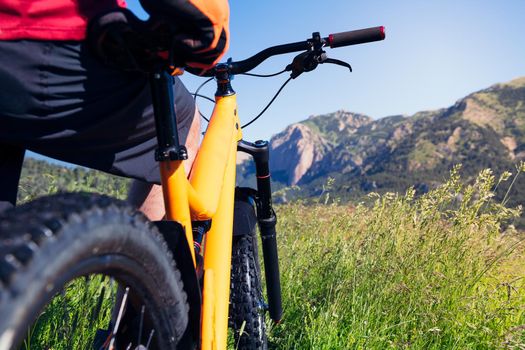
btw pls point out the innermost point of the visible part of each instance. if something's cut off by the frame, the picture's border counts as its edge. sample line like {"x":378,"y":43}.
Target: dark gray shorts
{"x":56,"y":99}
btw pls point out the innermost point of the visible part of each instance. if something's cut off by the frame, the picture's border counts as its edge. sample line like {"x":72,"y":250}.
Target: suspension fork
{"x":267,"y":220}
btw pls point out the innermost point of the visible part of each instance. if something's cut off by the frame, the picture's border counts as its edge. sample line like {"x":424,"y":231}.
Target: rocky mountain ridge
{"x":483,"y":129}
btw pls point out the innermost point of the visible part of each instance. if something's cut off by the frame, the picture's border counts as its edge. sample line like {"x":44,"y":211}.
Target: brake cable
{"x":204,"y":97}
{"x":269,"y":104}
{"x":196,"y":93}
{"x":264,"y":75}
{"x":303,"y":62}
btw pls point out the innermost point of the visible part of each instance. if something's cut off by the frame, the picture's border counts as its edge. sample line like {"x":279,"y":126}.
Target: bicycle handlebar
{"x":355,"y":37}
{"x":252,"y":62}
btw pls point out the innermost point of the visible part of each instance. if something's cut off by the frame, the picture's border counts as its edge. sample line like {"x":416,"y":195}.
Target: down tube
{"x":217,"y":257}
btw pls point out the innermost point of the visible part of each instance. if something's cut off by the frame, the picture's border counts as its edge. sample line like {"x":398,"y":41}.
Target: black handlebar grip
{"x":355,"y":37}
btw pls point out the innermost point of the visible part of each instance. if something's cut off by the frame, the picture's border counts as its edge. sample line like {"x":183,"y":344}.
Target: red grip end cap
{"x":382,"y":30}
{"x":330,"y":39}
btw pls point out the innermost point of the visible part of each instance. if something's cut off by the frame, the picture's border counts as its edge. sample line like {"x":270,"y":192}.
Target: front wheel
{"x":247,"y":307}
{"x":81,"y":271}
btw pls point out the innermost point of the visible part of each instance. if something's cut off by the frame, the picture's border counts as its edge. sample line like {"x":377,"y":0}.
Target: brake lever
{"x":337,"y":62}
{"x":303,"y":62}
{"x":309,"y":60}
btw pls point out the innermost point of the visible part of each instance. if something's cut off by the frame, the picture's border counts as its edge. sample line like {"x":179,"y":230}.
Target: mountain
{"x":486,"y":129}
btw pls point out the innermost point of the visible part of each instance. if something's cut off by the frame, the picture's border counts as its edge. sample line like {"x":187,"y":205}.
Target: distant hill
{"x":486,"y":129}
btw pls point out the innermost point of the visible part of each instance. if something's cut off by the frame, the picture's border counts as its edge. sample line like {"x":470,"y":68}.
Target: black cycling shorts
{"x":58,"y":100}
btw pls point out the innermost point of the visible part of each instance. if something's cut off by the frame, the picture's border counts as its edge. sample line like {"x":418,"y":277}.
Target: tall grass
{"x":442,"y":271}
{"x":71,"y":319}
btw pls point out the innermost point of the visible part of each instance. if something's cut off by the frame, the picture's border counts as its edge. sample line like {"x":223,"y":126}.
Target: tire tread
{"x":26,"y":229}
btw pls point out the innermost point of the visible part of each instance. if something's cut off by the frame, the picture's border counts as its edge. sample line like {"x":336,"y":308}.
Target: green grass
{"x":438,"y":272}
{"x":71,"y":318}
{"x":441,"y":271}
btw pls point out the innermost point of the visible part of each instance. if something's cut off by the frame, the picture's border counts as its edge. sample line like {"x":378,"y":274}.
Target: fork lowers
{"x":267,"y":220}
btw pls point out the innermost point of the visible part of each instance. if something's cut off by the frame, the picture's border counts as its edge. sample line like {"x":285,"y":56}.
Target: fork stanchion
{"x":267,"y":221}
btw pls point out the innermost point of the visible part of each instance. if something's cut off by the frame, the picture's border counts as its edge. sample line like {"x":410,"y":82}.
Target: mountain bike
{"x":78,"y":268}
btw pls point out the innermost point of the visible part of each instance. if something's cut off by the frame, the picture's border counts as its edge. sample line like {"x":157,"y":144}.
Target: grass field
{"x":441,"y":271}
{"x":438,"y":272}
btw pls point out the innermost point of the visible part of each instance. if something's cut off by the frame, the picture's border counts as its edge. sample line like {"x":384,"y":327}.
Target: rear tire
{"x":48,"y":243}
{"x":247,"y":307}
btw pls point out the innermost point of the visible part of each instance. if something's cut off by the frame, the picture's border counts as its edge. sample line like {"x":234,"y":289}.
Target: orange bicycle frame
{"x":207,"y":194}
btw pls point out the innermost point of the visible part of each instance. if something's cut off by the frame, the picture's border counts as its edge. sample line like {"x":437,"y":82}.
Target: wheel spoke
{"x":121,"y":311}
{"x":150,"y":337}
{"x":142,"y":309}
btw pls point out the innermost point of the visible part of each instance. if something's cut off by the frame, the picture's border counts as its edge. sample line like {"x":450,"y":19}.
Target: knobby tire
{"x":247,"y":307}
{"x":47,"y":243}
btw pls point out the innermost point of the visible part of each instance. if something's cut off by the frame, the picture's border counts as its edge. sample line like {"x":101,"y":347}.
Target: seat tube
{"x":170,"y":153}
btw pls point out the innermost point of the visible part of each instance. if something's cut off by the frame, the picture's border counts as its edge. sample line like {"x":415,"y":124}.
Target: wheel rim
{"x":85,"y":311}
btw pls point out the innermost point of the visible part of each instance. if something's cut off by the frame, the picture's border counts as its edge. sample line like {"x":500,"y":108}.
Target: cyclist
{"x":59,"y":100}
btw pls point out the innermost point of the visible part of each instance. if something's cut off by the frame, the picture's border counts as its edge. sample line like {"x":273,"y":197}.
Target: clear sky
{"x":435,"y":53}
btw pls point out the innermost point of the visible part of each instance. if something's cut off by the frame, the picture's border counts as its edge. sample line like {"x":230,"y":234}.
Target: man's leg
{"x":148,"y":197}
{"x":113,"y":131}
{"x":11,"y":159}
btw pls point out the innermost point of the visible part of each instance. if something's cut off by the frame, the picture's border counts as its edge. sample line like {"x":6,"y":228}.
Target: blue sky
{"x":435,"y":53}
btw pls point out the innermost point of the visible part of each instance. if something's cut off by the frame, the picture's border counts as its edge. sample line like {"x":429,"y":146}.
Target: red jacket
{"x":49,"y":19}
{"x":207,"y":22}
